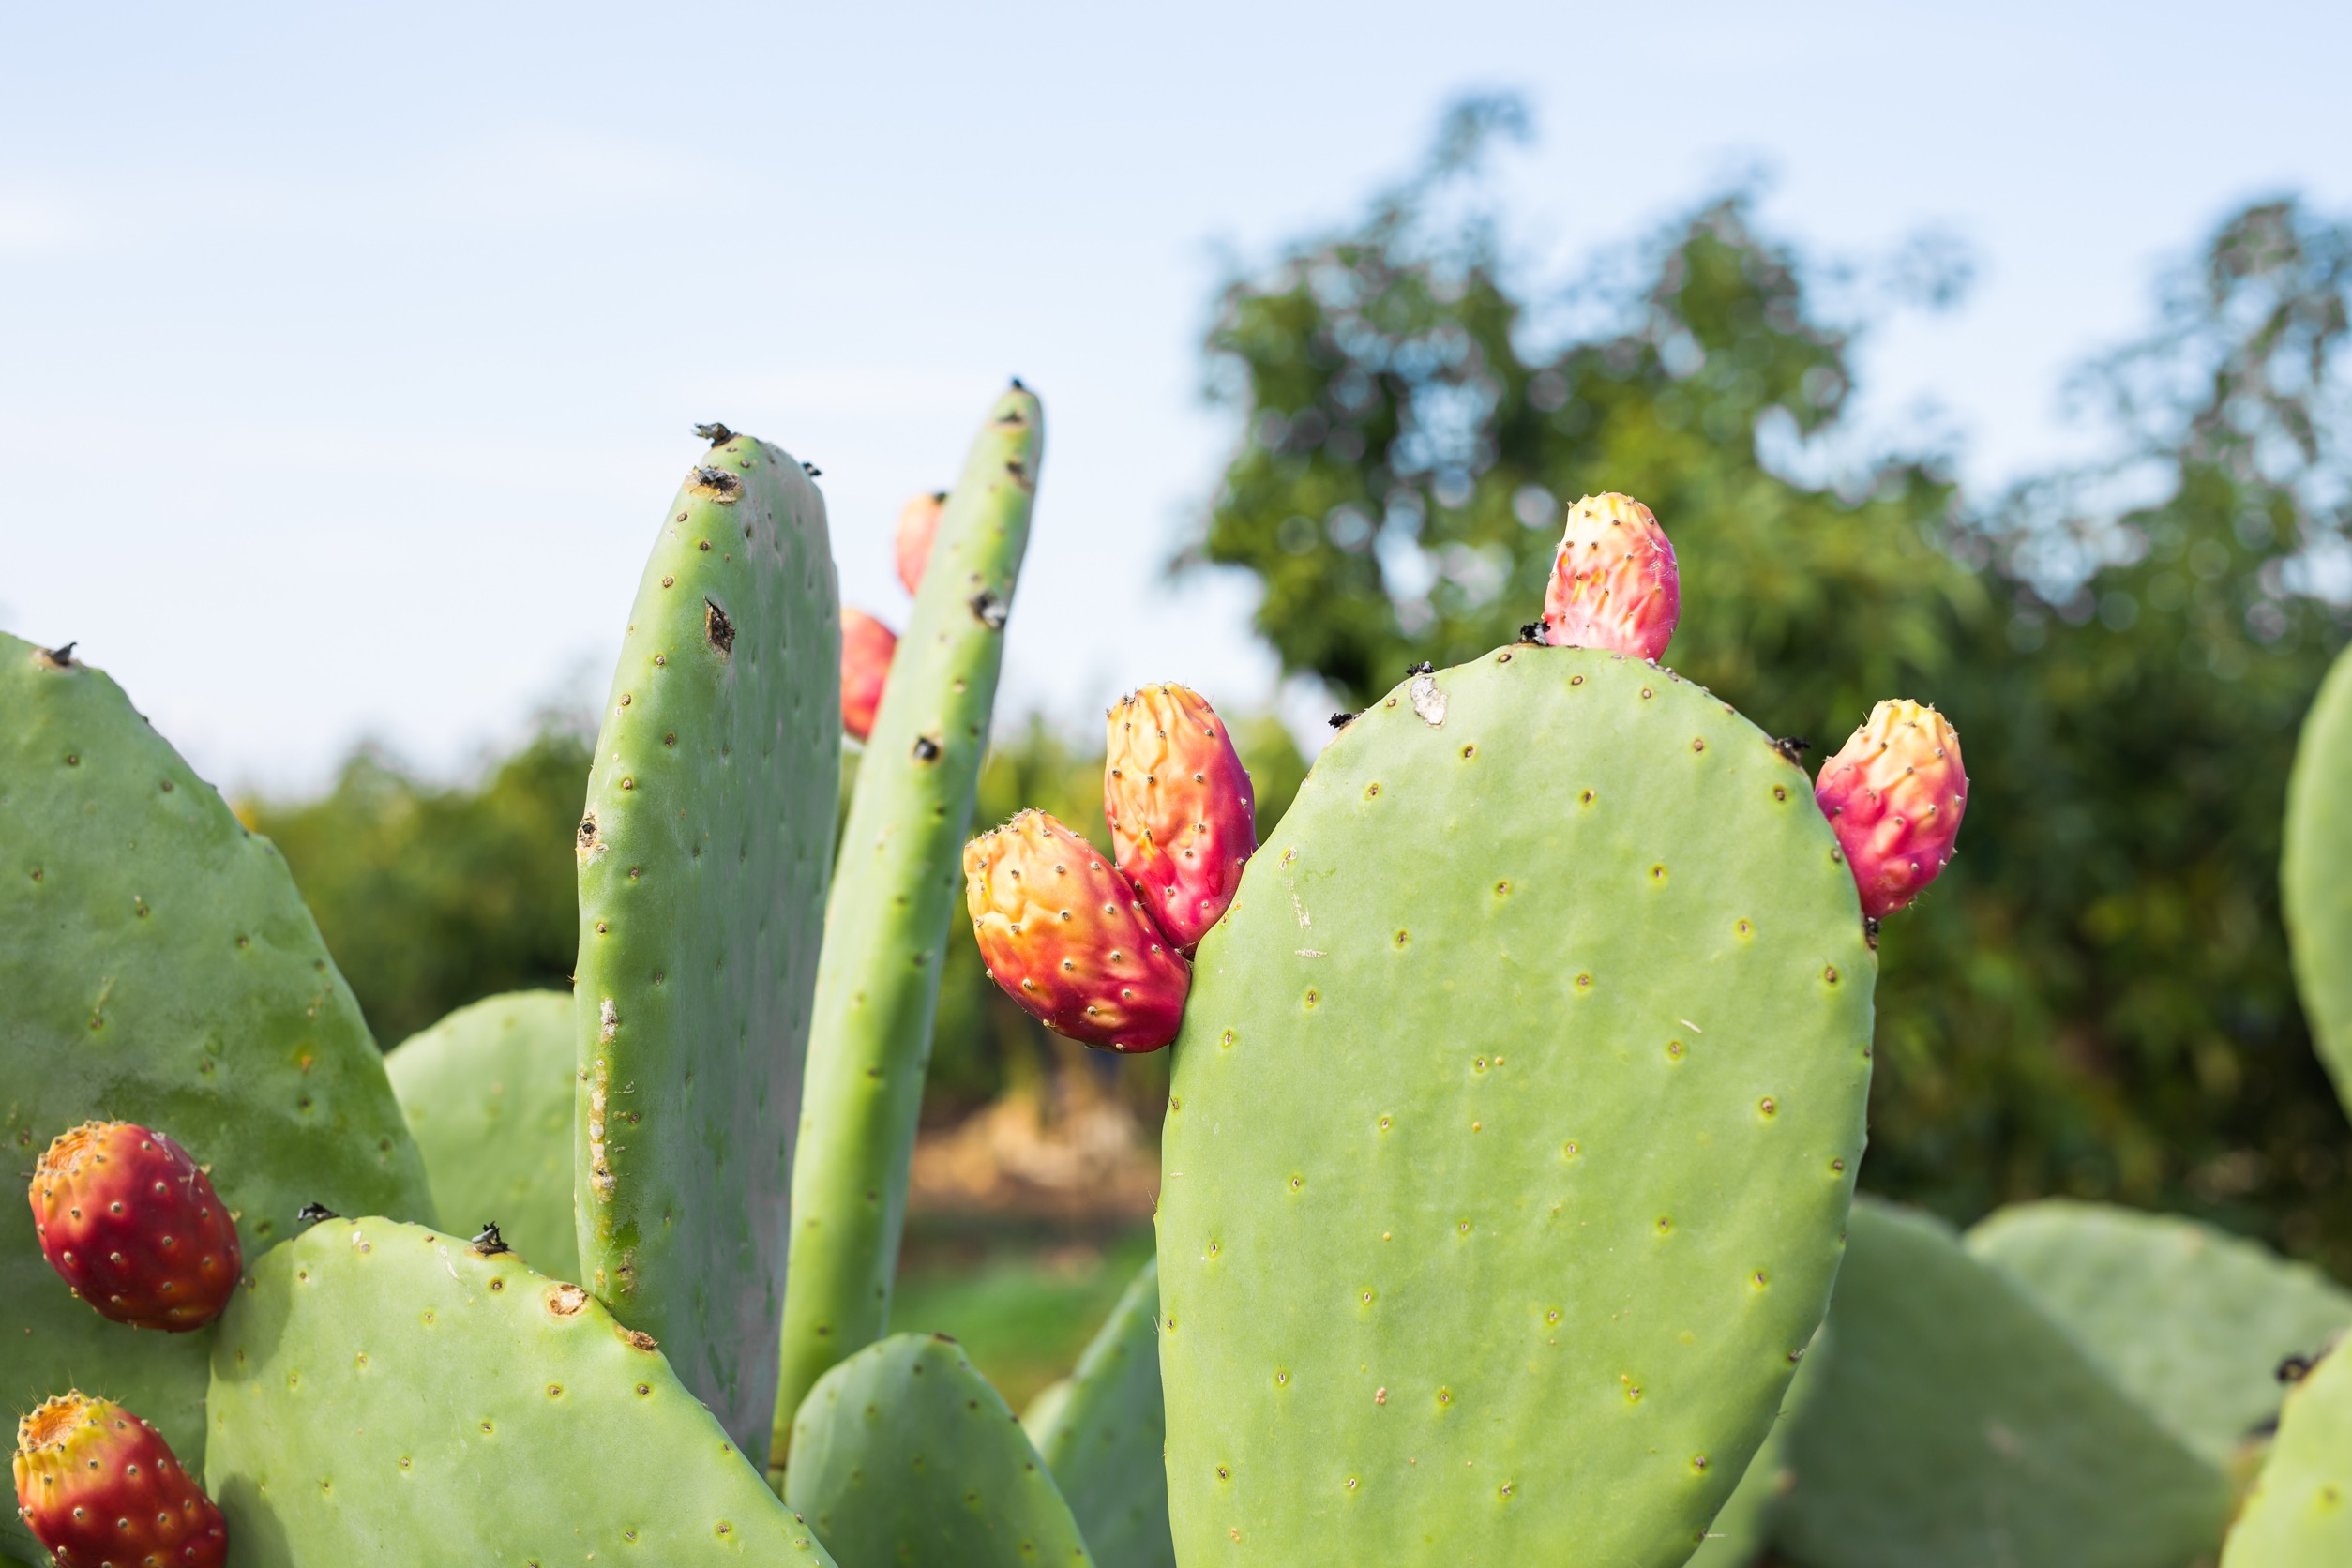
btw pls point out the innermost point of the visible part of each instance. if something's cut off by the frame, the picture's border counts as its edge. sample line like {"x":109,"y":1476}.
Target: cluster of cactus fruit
{"x":1516,"y":1105}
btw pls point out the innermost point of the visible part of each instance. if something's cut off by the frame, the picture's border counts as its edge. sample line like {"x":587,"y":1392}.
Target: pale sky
{"x":346,"y":362}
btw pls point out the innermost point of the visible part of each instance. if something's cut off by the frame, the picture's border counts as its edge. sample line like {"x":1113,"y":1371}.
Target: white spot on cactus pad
{"x":1428,"y":701}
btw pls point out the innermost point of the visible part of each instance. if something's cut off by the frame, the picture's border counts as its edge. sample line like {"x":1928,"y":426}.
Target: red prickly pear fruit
{"x":918,"y":520}
{"x":1895,"y":794}
{"x":867,"y":648}
{"x":1183,"y":817}
{"x":1066,"y":937}
{"x":97,"y":1484}
{"x":1614,"y":581}
{"x":128,"y":1219}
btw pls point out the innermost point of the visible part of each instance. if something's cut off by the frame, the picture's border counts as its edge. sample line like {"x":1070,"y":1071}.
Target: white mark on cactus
{"x":608,"y":1020}
{"x":1428,"y":701}
{"x":1312,"y":953}
{"x":1692,"y":1027}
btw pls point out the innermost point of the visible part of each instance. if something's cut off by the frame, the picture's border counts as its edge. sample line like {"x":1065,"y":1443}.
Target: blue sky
{"x":346,"y":361}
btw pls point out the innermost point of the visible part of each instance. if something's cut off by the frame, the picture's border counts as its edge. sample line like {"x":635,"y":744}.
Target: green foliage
{"x":158,"y":968}
{"x":2096,"y":1001}
{"x":2317,"y":876}
{"x":1104,"y":1434}
{"x":488,"y":1095}
{"x":892,"y":913}
{"x":704,"y":854}
{"x":384,"y":1393}
{"x":2191,"y":1322}
{"x":1515,"y":1120}
{"x":902,"y":1453}
{"x":2300,"y":1513}
{"x":431,"y":897}
{"x":1954,"y":1425}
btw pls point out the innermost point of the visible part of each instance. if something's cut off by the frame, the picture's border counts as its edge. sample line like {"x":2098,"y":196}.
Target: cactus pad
{"x":2190,"y":1321}
{"x":2315,"y":871}
{"x":2300,"y":1513}
{"x":160,"y":968}
{"x":1954,"y":1425}
{"x":1105,"y":1435}
{"x":903,"y":1453}
{"x":887,"y":928}
{"x":488,"y":1095}
{"x":1512,"y":1129}
{"x":704,"y":856}
{"x":382,"y":1392}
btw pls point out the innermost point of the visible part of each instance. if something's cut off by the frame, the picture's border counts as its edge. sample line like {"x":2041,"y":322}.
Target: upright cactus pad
{"x":2300,"y":1513}
{"x":1512,"y":1129}
{"x":896,"y":887}
{"x":158,"y":967}
{"x":488,"y":1094}
{"x":1954,"y":1425}
{"x":703,"y":857}
{"x":2190,"y":1321}
{"x":2316,"y":874}
{"x":1105,"y":1435}
{"x":382,"y":1392}
{"x":904,"y":1454}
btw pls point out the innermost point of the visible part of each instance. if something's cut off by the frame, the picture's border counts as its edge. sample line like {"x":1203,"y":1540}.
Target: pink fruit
{"x":1183,"y":819}
{"x":918,"y":520}
{"x":1066,"y":937}
{"x":97,"y":1486}
{"x":1895,"y":794}
{"x":867,"y":648}
{"x":1614,"y":581}
{"x":130,"y":1222}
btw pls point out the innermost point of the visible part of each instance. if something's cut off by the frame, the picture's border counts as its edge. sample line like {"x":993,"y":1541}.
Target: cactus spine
{"x":895,"y":889}
{"x":703,"y":854}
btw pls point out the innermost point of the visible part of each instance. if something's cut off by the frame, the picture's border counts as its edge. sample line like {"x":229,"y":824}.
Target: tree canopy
{"x":2096,"y":1000}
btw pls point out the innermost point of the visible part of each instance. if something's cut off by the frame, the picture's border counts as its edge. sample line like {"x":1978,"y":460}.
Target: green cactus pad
{"x":382,"y":1392}
{"x":900,"y":883}
{"x":1513,"y":1128}
{"x":2300,"y":1513}
{"x":2189,"y":1320}
{"x":1740,"y":1532}
{"x":1105,"y":1435}
{"x":704,"y":856}
{"x":488,"y":1094}
{"x":1955,"y":1425}
{"x":903,"y":1453}
{"x":2315,"y":871}
{"x":159,"y":967}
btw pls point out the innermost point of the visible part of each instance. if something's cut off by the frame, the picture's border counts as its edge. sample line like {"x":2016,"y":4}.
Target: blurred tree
{"x":433,"y":897}
{"x":2097,"y":1000}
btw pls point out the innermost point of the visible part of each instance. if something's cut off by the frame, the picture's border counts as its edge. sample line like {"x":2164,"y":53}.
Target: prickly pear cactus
{"x":705,"y":854}
{"x":2190,"y":1321}
{"x":903,"y":1453}
{"x":1104,"y":1435}
{"x":887,"y":926}
{"x":1954,"y":1425}
{"x":2300,"y":1513}
{"x":2315,"y":871}
{"x":382,"y":1392}
{"x":1512,"y":1129}
{"x":159,"y":967}
{"x":489,"y":1093}
{"x":1740,"y":1532}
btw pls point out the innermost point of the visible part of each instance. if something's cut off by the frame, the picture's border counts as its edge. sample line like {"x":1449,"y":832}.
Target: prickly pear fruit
{"x":1614,"y":581}
{"x":1067,"y":939}
{"x":1183,"y":819}
{"x":130,"y":1222}
{"x":917,"y":521}
{"x":867,"y":648}
{"x":97,"y":1484}
{"x":1894,"y":793}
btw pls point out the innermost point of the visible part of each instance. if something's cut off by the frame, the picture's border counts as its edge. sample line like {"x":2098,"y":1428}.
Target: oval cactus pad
{"x":1513,"y":1130}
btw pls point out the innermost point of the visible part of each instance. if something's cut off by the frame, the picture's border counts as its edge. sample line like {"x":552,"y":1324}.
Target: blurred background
{"x":1996,"y":360}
